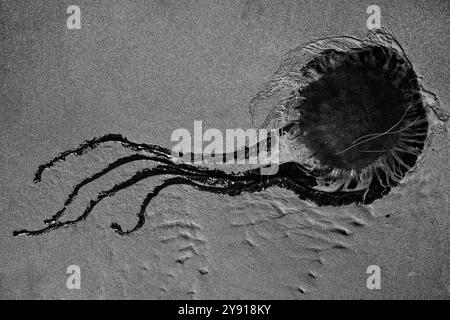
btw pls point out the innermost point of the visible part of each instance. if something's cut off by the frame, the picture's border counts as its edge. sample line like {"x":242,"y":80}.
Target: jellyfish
{"x":351,"y":116}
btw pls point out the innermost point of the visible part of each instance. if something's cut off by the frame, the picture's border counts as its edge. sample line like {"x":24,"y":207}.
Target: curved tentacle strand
{"x":96,"y":142}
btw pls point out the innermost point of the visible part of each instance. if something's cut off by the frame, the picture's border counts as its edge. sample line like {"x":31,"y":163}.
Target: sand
{"x":144,"y":70}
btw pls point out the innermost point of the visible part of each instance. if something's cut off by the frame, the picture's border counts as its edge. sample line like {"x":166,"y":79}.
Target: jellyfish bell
{"x":354,"y":113}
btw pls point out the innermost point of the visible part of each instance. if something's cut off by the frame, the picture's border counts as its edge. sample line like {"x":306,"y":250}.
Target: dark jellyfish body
{"x":352,"y":117}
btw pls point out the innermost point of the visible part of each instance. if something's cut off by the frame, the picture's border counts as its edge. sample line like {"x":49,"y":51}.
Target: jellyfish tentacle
{"x":198,"y":173}
{"x":387,"y":131}
{"x":200,"y":183}
{"x":377,"y":136}
{"x":141,"y":214}
{"x":38,"y":232}
{"x":247,"y":151}
{"x":96,"y":142}
{"x":229,"y":184}
{"x":320,"y":92}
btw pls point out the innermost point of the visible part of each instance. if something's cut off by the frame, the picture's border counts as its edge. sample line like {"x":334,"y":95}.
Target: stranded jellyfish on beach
{"x":351,"y":117}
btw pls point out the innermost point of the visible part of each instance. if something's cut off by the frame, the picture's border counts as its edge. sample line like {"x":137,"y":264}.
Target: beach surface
{"x":146,"y":68}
